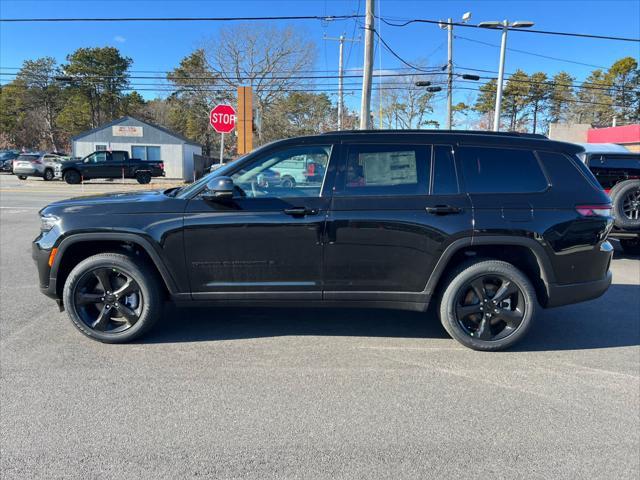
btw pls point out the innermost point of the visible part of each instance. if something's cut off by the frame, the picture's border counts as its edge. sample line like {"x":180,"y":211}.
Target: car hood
{"x":154,"y":201}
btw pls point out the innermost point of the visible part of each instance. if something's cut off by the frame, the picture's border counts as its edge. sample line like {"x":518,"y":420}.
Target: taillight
{"x":594,"y":210}
{"x":36,"y":162}
{"x":162,"y":166}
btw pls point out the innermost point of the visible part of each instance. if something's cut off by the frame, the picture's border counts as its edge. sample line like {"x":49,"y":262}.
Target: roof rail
{"x":456,"y":132}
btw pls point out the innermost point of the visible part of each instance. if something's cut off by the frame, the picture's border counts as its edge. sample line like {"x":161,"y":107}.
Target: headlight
{"x":47,"y":222}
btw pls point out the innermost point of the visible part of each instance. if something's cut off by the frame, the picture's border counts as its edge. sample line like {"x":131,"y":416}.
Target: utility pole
{"x":341,"y":39}
{"x":367,"y":71}
{"x":449,"y":73}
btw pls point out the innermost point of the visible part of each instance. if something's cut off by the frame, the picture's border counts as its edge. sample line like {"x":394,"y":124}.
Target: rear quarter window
{"x":567,"y":173}
{"x":500,"y":170}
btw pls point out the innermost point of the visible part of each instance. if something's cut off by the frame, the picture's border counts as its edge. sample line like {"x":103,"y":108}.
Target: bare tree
{"x":268,"y":58}
{"x":405,"y":105}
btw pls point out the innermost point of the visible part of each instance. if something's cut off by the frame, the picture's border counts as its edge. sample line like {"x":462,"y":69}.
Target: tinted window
{"x":444,"y":171}
{"x":27,"y":158}
{"x":566,"y":173}
{"x":291,"y":172}
{"x":619,"y":161}
{"x":386,"y":170}
{"x":117,"y":157}
{"x":97,"y":157}
{"x":500,"y":170}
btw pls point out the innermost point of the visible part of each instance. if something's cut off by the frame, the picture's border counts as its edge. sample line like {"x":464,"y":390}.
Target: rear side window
{"x":500,"y":170}
{"x":567,"y":173}
{"x":445,"y":181}
{"x":616,"y":161}
{"x":387,"y":170}
{"x":117,"y":157}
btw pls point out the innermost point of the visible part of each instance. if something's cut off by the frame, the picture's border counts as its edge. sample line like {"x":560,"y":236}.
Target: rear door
{"x":396,"y":206}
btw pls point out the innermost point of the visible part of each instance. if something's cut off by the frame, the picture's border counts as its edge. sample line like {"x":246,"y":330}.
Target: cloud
{"x":119,"y":39}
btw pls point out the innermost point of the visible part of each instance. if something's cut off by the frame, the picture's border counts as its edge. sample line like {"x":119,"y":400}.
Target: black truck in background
{"x":618,"y":172}
{"x":109,"y":164}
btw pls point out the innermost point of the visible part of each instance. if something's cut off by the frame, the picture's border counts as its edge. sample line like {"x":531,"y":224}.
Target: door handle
{"x":443,"y":210}
{"x":300,"y":211}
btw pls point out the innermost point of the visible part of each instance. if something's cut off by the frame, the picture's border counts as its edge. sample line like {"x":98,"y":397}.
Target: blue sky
{"x":160,"y":46}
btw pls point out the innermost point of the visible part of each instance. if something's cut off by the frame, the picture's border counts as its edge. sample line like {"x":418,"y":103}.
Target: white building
{"x":142,"y":140}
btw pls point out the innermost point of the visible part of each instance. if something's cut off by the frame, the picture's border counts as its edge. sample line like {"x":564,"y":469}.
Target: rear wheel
{"x":630,"y":246}
{"x":22,"y":177}
{"x":487,"y":305}
{"x":48,"y":175}
{"x":143,"y":177}
{"x":112,"y":299}
{"x":72,"y":177}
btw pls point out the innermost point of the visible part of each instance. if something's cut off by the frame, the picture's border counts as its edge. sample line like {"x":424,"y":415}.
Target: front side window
{"x":386,"y":170}
{"x":97,"y":157}
{"x":500,"y":170}
{"x":291,"y":172}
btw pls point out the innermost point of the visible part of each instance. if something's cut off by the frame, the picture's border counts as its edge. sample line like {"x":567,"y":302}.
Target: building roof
{"x":128,"y":117}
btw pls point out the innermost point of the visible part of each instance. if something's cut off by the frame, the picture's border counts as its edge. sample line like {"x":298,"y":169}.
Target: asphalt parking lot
{"x":308,"y":393}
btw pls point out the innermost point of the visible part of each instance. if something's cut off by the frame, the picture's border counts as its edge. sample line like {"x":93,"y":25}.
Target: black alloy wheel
{"x":72,"y":177}
{"x":108,"y":300}
{"x":487,"y":304}
{"x":489,"y":307}
{"x":113,"y":297}
{"x":143,"y":177}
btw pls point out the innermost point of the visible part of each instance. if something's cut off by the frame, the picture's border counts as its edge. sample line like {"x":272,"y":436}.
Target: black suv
{"x":619,"y":174}
{"x":483,"y":226}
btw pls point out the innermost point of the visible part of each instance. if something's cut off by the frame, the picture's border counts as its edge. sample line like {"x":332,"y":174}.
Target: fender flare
{"x":138,"y":240}
{"x":544,"y":264}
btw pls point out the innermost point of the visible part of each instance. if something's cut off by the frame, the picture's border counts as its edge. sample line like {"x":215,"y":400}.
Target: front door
{"x":267,"y":242}
{"x":394,"y":209}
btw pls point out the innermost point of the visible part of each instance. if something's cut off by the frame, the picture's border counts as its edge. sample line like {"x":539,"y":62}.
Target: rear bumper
{"x":28,"y":172}
{"x":577,"y":292}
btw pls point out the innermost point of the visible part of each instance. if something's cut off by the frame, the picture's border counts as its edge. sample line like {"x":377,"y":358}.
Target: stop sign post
{"x":223,"y":120}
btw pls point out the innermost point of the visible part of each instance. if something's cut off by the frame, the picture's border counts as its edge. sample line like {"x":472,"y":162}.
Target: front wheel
{"x":22,"y":177}
{"x":72,"y":177}
{"x":143,"y":177}
{"x":487,"y":305}
{"x":112,"y":299}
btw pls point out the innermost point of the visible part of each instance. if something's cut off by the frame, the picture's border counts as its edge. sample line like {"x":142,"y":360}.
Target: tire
{"x":143,"y":177}
{"x":288,"y":182}
{"x":630,"y":246}
{"x":48,"y":175}
{"x":22,"y":177}
{"x":128,"y":316}
{"x":625,"y":203}
{"x":72,"y":177}
{"x":463,"y":313}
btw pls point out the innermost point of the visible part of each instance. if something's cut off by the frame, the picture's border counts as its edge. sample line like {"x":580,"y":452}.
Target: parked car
{"x":485,"y":227}
{"x":6,"y":160}
{"x":37,"y":164}
{"x":618,"y":171}
{"x":110,"y":164}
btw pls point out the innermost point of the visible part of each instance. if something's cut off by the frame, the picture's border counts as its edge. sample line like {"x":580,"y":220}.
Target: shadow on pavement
{"x":611,"y":321}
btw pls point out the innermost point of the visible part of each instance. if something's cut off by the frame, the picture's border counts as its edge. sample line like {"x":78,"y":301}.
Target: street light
{"x":505,"y":26}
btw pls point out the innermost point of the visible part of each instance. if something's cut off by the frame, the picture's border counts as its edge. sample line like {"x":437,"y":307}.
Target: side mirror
{"x":219,"y":188}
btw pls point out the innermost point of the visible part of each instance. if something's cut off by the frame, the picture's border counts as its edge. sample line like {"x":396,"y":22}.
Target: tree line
{"x":47,"y":103}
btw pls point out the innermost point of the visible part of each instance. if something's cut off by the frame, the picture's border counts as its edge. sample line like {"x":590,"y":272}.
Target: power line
{"x":179,"y":19}
{"x":527,"y":30}
{"x":390,"y":50}
{"x":531,"y":53}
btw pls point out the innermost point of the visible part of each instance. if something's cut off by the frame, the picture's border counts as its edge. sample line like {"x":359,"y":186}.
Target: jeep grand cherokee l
{"x":487,"y":227}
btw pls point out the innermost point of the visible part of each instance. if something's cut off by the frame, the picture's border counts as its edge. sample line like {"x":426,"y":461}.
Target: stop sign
{"x":223,"y":118}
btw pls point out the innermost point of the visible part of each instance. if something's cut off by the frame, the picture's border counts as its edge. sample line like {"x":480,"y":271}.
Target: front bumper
{"x":41,"y":258}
